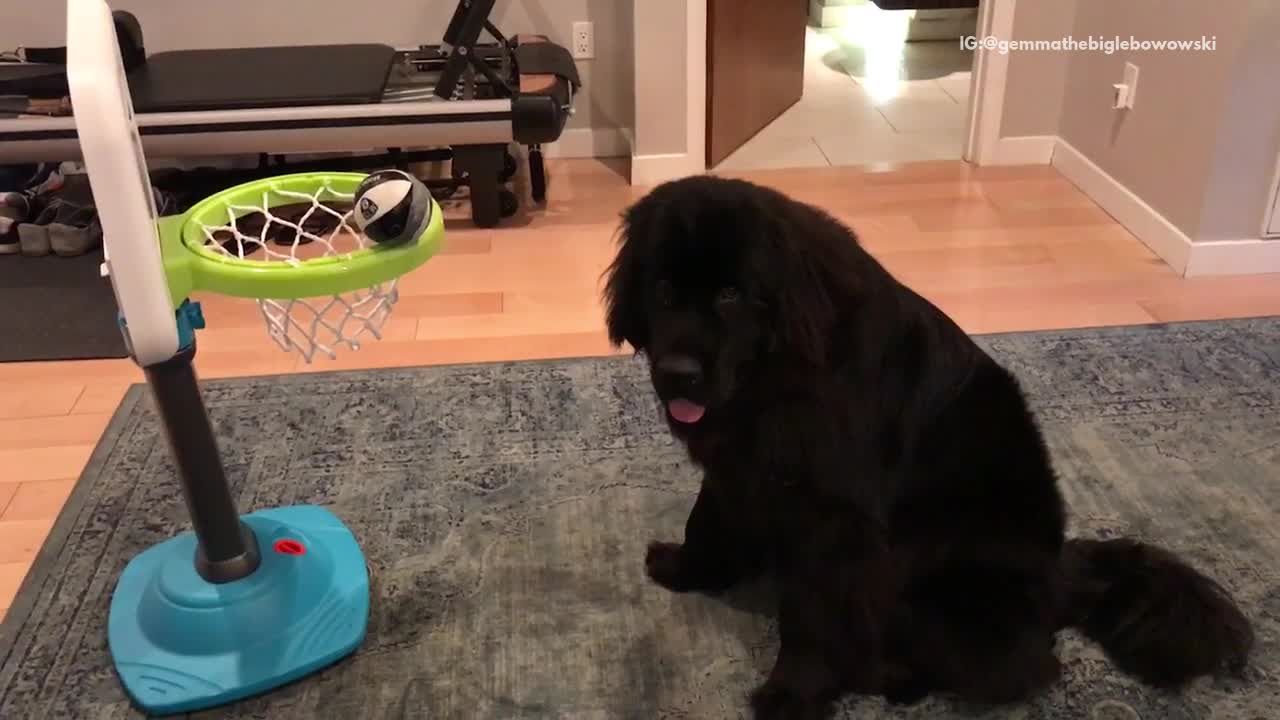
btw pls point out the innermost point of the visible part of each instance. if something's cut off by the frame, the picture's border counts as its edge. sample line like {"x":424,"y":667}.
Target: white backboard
{"x":117,"y":170}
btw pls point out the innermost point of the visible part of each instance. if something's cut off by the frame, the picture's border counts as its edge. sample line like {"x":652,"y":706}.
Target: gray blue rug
{"x":505,"y":509}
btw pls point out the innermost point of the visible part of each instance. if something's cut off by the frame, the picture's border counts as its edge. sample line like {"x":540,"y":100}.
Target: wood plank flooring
{"x":1000,"y":249}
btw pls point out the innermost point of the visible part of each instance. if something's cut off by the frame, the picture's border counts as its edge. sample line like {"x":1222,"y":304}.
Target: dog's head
{"x":713,"y":277}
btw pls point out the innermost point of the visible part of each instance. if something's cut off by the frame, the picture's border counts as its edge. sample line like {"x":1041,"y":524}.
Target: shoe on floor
{"x":69,"y":239}
{"x":62,"y":228}
{"x":14,"y":210}
{"x":33,"y":240}
{"x":9,"y":244}
{"x":19,"y":234}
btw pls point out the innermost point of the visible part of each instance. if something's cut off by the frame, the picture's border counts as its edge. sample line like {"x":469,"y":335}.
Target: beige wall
{"x":607,"y":100}
{"x":1161,"y":149}
{"x":1200,"y":145}
{"x":661,"y":106}
{"x":1033,"y":95}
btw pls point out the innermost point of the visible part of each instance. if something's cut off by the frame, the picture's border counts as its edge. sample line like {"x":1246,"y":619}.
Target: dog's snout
{"x":681,"y":369}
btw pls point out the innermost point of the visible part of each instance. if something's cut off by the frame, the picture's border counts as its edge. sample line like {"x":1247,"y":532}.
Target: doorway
{"x":847,"y":82}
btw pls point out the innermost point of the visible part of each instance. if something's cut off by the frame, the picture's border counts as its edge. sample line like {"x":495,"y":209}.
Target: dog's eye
{"x":727,"y":295}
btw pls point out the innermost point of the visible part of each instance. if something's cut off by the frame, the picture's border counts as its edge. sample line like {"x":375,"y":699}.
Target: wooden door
{"x":755,"y":68}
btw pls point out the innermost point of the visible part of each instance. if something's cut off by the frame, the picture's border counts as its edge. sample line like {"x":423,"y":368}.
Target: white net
{"x":297,"y":227}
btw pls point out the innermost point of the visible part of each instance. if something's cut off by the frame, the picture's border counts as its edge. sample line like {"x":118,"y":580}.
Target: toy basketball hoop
{"x":289,"y":243}
{"x":241,"y":604}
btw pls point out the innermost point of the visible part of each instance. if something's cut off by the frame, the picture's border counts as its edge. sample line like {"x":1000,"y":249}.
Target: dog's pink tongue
{"x":685,"y":411}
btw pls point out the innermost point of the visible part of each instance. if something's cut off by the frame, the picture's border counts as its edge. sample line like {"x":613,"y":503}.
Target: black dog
{"x":859,"y":445}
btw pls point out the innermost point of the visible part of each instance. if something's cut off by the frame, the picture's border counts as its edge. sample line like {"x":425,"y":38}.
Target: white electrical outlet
{"x":584,"y":40}
{"x":1131,"y":82}
{"x":1125,"y":91}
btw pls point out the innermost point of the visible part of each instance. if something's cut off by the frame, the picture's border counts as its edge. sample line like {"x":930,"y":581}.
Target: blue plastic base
{"x":181,"y":644}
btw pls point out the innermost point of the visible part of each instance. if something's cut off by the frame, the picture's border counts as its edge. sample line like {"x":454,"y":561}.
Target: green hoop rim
{"x":191,"y":266}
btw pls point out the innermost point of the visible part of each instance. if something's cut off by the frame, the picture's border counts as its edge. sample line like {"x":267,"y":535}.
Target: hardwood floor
{"x":1000,"y":249}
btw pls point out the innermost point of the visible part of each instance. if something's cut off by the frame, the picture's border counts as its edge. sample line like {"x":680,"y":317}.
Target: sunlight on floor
{"x":883,"y":37}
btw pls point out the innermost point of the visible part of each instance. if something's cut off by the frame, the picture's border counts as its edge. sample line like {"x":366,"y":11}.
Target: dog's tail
{"x":1155,"y":616}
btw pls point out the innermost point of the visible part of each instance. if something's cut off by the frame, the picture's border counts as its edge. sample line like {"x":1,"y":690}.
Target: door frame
{"x":669,"y":161}
{"x":695,"y":61}
{"x":987,"y":83}
{"x":1271,"y":219}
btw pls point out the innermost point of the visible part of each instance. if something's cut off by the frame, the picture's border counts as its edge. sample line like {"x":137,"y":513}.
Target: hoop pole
{"x":226,"y":548}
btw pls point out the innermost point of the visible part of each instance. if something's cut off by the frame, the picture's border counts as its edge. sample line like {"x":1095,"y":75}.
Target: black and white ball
{"x":392,"y":207}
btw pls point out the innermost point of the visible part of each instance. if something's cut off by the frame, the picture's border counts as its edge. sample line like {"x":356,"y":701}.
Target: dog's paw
{"x":778,"y":701}
{"x":672,"y":567}
{"x":905,"y":694}
{"x":665,"y":564}
{"x":901,"y":686}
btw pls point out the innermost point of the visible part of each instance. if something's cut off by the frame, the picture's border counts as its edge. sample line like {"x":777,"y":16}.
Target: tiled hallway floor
{"x":869,"y":98}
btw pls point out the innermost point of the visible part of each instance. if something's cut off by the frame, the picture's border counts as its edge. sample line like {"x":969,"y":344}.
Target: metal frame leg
{"x":483,"y":167}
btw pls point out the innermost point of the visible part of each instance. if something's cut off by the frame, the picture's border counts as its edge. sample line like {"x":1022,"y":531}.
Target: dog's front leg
{"x":717,"y":551}
{"x":829,"y":618}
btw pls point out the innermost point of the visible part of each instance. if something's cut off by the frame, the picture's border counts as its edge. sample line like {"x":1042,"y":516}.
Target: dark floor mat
{"x":57,"y":308}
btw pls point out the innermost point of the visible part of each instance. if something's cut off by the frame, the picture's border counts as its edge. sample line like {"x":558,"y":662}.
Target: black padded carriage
{"x":461,"y":101}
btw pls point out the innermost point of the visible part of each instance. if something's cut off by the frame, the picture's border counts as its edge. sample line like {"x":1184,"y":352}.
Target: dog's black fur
{"x":857,"y":444}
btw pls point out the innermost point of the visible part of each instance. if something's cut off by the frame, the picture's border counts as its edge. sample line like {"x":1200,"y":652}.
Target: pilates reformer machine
{"x":460,"y":101}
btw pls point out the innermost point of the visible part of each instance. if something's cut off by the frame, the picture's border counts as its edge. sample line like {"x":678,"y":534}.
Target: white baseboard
{"x":1022,"y":150}
{"x":590,"y":143}
{"x":1234,"y":257}
{"x":647,"y":170}
{"x":1153,"y":229}
{"x":1187,"y":258}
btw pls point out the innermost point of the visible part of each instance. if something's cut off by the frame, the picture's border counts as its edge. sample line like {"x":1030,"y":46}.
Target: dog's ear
{"x":624,"y":292}
{"x":806,"y":260}
{"x":803,"y":314}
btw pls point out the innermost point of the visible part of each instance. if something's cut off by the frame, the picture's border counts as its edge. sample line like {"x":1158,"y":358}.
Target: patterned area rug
{"x":505,"y":509}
